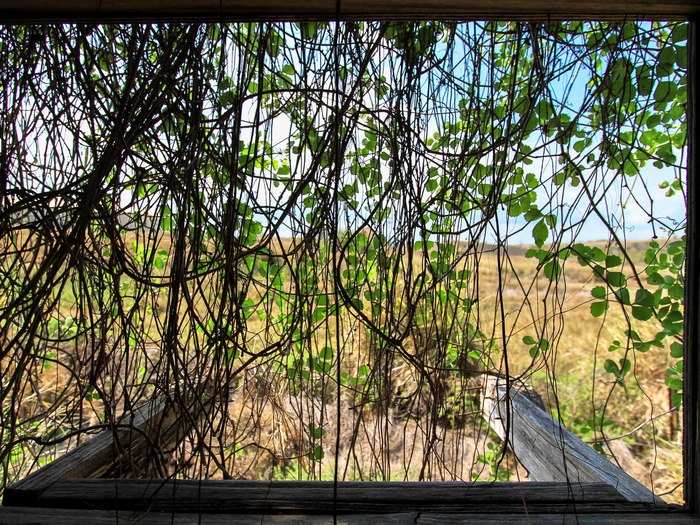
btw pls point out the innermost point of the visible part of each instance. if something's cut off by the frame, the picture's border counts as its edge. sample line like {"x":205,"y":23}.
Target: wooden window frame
{"x":358,"y":497}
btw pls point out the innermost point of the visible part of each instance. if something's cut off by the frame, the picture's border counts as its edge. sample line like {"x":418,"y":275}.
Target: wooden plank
{"x":549,"y":451}
{"x":515,"y":8}
{"x":158,"y":419}
{"x":691,"y":328}
{"x":558,"y":519}
{"x":229,"y":496}
{"x":41,"y":516}
{"x":324,"y":9}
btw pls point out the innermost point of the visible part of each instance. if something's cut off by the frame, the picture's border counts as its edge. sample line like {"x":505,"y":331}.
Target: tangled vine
{"x":316,"y":231}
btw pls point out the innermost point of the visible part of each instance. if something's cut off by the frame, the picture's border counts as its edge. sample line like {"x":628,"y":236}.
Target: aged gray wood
{"x":558,"y":519}
{"x":691,"y":329}
{"x":165,"y":493}
{"x":159,"y":419}
{"x":41,"y":516}
{"x":258,"y":9}
{"x":279,"y":497}
{"x":37,"y":516}
{"x":549,"y":451}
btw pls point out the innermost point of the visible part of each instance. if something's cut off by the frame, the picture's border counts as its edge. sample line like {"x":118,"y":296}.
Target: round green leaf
{"x":642,"y":313}
{"x":598,"y":308}
{"x":599,"y":292}
{"x":644,"y":298}
{"x":615,"y":279}
{"x":611,"y":367}
{"x":540,"y":233}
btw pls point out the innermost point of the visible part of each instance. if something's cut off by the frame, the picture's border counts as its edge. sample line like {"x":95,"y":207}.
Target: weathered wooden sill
{"x":289,"y":497}
{"x":573,"y":483}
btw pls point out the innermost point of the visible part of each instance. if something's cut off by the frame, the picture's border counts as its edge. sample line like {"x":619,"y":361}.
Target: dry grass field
{"x":272,"y":429}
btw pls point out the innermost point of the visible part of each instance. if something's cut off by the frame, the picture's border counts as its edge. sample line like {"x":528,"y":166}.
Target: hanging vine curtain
{"x":328,"y":233}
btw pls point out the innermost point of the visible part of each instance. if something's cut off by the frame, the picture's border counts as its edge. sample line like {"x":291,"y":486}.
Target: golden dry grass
{"x":569,"y":376}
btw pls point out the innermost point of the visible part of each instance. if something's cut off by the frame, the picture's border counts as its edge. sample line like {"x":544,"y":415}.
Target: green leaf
{"x":544,"y":110}
{"x":676,"y":350}
{"x":682,"y":57}
{"x":612,"y":260}
{"x":597,"y":254}
{"x":667,"y":56}
{"x":624,"y":296}
{"x":644,"y":298}
{"x":552,"y":269}
{"x":316,"y":432}
{"x":655,"y":278}
{"x":664,"y":68}
{"x":227,"y":98}
{"x":680,"y":32}
{"x":309,"y":30}
{"x":625,"y":367}
{"x":599,"y":292}
{"x":533,"y":252}
{"x":677,"y":399}
{"x":653,"y":120}
{"x":319,"y":314}
{"x":529,"y":340}
{"x":642,"y":313}
{"x":579,"y":146}
{"x":665,"y":91}
{"x":540,"y":233}
{"x":166,"y":221}
{"x":673,"y":323}
{"x":326,"y":354}
{"x":645,"y":80}
{"x":615,"y":279}
{"x":676,"y":292}
{"x":611,"y":367}
{"x":598,"y":308}
{"x":674,"y":383}
{"x":161,"y":258}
